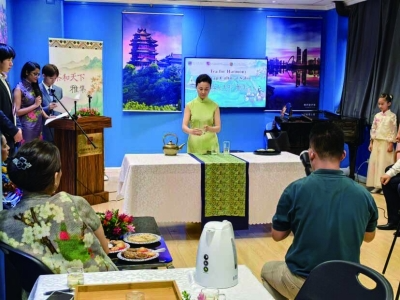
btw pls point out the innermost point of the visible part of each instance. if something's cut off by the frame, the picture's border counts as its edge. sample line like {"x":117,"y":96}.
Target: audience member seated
{"x":11,"y":194}
{"x":329,"y":214}
{"x":59,"y":229}
{"x":390,"y":184}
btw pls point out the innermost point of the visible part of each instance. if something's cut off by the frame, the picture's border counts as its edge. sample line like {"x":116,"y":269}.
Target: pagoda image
{"x":143,"y":51}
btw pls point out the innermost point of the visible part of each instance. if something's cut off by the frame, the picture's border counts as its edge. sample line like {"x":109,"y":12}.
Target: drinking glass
{"x":227,"y":147}
{"x":200,"y":125}
{"x":134,"y":295}
{"x":214,"y":149}
{"x":75,"y":277}
{"x":210,"y":294}
{"x":213,"y":294}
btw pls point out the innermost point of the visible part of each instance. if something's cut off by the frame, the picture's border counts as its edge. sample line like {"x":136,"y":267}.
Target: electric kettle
{"x":216,"y":262}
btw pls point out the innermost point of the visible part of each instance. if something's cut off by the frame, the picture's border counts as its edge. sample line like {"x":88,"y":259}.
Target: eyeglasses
{"x":35,"y":74}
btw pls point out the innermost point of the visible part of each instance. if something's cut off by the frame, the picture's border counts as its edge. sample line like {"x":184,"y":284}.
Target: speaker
{"x":342,"y":9}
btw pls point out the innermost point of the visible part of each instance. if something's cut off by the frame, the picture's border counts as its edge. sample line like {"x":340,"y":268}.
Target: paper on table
{"x":68,"y":102}
{"x":64,"y":114}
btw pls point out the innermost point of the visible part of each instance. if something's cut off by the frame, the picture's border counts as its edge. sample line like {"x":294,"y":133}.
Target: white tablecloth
{"x":168,"y":187}
{"x":247,"y":288}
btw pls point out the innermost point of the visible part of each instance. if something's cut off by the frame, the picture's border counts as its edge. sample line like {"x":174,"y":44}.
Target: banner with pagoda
{"x":152,"y":62}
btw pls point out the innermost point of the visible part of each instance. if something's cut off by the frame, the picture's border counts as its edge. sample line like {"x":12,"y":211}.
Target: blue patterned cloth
{"x":11,"y":194}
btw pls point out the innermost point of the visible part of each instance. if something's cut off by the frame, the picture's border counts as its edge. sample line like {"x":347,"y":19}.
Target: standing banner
{"x":152,"y":62}
{"x":3,"y":22}
{"x":294,"y":58}
{"x":81,"y":70}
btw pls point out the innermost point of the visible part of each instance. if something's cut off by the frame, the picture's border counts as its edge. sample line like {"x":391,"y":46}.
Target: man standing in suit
{"x":50,"y":91}
{"x":8,"y":119}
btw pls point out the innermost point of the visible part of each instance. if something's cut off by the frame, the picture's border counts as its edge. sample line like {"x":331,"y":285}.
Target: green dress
{"x":201,"y":114}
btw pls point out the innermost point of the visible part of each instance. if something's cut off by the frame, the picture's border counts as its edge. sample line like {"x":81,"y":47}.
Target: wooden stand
{"x":82,"y":165}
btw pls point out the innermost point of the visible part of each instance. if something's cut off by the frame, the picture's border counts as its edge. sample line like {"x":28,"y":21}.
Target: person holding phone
{"x":328,"y":227}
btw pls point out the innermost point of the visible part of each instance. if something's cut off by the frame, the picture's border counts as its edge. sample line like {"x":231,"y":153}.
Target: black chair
{"x":21,"y":271}
{"x":337,"y":279}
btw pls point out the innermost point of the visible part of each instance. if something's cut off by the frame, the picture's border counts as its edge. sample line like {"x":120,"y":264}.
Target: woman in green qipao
{"x":202,"y":119}
{"x":59,"y":229}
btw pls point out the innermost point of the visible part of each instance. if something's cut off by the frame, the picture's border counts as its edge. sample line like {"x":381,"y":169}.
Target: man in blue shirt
{"x":329,"y":214}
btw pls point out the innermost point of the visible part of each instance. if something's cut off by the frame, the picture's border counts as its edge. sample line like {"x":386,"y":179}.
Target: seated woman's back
{"x":61,"y":230}
{"x":58,"y":230}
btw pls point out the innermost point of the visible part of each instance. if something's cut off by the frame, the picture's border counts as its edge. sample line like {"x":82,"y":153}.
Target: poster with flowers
{"x":3,"y":22}
{"x":80,"y":63}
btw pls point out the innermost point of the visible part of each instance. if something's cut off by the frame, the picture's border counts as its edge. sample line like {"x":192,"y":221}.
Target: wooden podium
{"x":82,"y":165}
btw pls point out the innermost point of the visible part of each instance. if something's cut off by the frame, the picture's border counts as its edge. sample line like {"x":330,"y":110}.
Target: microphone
{"x":52,"y":91}
{"x":72,"y":118}
{"x":305,"y":160}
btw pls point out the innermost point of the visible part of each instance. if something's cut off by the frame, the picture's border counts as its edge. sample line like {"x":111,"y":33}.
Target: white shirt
{"x":3,"y":79}
{"x":48,"y":88}
{"x":394,"y":170}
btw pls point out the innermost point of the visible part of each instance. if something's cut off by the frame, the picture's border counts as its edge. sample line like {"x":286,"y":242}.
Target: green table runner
{"x":224,"y":184}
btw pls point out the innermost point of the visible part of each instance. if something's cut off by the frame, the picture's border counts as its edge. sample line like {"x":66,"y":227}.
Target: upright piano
{"x":298,"y":127}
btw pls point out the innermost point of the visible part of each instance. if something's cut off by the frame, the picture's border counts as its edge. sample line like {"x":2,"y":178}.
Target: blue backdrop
{"x":207,"y":32}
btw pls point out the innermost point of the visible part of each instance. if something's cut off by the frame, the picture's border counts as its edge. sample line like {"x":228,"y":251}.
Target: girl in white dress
{"x":383,"y":135}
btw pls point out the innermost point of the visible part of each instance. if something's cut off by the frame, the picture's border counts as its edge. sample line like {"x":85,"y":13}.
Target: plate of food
{"x":116,"y":246}
{"x":138,"y":254}
{"x":142,"y":238}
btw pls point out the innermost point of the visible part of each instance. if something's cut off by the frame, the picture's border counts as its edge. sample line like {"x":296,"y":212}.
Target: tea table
{"x":247,"y":288}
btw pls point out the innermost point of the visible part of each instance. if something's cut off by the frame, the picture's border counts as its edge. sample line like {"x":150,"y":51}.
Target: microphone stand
{"x":89,"y":99}
{"x":73,"y":119}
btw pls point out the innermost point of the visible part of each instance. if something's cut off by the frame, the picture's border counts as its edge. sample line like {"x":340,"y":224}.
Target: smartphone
{"x":57,"y":295}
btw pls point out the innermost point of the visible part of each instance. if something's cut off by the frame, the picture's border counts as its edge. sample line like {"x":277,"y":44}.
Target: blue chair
{"x":337,"y":279}
{"x":21,"y":271}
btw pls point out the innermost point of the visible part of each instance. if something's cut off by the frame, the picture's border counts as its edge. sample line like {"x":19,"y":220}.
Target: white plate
{"x":127,"y":246}
{"x":156,"y":238}
{"x":119,"y":255}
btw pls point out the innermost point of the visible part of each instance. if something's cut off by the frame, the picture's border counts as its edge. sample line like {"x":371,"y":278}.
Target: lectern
{"x":82,"y":165}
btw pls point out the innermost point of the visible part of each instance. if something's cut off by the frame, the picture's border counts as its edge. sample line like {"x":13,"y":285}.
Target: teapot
{"x":171,"y":149}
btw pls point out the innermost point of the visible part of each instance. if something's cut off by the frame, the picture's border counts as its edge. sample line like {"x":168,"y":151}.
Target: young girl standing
{"x":383,"y":135}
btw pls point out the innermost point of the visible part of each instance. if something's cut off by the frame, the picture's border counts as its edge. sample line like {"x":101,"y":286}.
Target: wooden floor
{"x":255,"y":246}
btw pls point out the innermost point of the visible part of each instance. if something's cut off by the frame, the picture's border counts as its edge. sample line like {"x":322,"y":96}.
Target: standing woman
{"x":28,"y":100}
{"x":202,"y":119}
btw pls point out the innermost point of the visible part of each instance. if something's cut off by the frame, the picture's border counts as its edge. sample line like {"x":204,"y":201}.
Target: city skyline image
{"x":293,"y":51}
